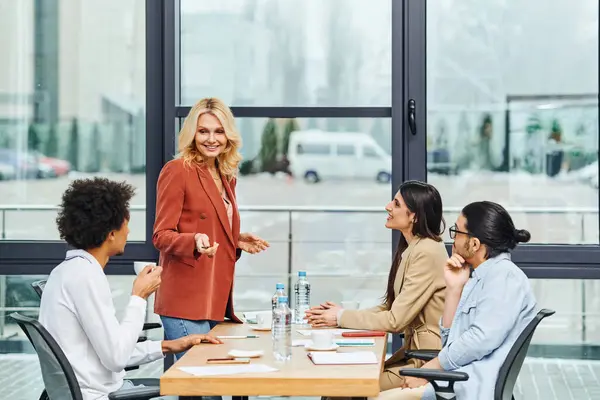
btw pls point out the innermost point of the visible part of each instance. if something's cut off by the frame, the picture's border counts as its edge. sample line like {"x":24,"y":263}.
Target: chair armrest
{"x":142,"y":339}
{"x":424,"y":355}
{"x":142,"y":393}
{"x":152,"y":325}
{"x":132,"y":367}
{"x":435,"y":374}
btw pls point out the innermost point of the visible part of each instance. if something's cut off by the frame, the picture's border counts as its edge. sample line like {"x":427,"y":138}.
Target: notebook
{"x":330,"y":358}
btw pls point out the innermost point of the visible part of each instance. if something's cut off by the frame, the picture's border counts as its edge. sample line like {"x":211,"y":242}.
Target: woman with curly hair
{"x":77,"y":308}
{"x":197,"y":226}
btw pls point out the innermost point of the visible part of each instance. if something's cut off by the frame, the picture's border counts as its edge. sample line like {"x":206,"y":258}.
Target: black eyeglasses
{"x":454,"y":230}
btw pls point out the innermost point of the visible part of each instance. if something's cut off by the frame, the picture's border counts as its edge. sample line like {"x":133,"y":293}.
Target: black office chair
{"x":507,"y":376}
{"x":39,"y":286}
{"x":59,"y":379}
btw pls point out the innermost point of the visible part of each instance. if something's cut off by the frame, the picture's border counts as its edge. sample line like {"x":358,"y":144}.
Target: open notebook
{"x":331,"y":358}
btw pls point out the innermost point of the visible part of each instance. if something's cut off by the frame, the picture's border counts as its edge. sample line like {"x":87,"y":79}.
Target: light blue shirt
{"x":496,"y":305}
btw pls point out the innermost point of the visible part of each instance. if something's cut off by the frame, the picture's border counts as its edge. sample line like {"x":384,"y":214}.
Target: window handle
{"x":412,"y":116}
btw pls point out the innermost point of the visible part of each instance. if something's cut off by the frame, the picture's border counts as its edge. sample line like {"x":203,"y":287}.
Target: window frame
{"x":538,"y":261}
{"x":408,"y":151}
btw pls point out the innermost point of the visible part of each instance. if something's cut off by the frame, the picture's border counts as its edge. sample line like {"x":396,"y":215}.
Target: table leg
{"x":239,"y":397}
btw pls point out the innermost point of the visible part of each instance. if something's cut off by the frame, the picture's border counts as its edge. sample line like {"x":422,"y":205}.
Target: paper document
{"x":336,"y":332}
{"x":228,"y":369}
{"x":330,"y":358}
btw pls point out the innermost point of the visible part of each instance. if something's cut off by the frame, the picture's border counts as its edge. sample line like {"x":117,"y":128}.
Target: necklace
{"x":216,"y":178}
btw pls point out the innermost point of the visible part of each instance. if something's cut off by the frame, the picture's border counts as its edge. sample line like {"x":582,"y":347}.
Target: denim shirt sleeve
{"x":444,"y":332}
{"x":496,"y":312}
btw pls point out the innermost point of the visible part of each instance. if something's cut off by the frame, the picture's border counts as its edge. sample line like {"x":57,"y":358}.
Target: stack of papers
{"x":330,"y":358}
{"x":228,"y":369}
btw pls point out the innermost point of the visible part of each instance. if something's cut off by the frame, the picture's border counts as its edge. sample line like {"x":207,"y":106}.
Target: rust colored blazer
{"x":194,"y":286}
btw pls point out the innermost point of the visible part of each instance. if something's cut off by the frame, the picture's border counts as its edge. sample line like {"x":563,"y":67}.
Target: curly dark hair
{"x":91,"y":209}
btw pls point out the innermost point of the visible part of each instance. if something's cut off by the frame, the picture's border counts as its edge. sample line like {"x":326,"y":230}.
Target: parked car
{"x":7,"y":172}
{"x":58,"y":166}
{"x":24,"y":164}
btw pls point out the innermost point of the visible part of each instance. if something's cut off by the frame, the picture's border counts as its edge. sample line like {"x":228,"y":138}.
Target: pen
{"x":238,"y":337}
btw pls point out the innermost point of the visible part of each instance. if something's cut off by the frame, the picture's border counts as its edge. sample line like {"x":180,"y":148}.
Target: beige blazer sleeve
{"x":419,"y":286}
{"x":377,"y":309}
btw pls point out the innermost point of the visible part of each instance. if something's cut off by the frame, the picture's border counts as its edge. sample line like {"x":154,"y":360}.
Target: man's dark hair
{"x":91,"y":209}
{"x":492,"y":225}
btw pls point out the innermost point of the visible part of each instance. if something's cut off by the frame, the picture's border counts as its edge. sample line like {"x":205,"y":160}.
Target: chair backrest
{"x":39,"y":286}
{"x":59,"y":379}
{"x":509,"y":372}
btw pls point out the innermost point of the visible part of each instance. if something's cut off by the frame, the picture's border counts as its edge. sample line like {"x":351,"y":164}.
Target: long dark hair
{"x":492,"y":225}
{"x":425,"y":201}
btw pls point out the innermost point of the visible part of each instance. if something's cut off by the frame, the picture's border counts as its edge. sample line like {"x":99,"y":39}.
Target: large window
{"x":287,"y":53}
{"x":310,"y":83}
{"x":512,"y":111}
{"x":337,"y":102}
{"x":72,"y":104}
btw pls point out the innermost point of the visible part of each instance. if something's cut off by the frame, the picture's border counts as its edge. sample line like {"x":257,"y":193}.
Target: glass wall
{"x":72,"y":104}
{"x":511,"y":116}
{"x":512,"y":111}
{"x":292,"y":55}
{"x":287,"y":53}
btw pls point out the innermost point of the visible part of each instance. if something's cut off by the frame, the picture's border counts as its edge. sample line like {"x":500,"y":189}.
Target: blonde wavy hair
{"x":229,"y":159}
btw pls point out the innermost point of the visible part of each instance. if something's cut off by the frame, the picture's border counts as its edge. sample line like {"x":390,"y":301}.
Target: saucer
{"x":245,"y":353}
{"x":261,"y":328}
{"x":333,"y":347}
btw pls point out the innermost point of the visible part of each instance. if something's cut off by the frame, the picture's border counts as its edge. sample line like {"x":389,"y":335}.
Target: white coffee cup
{"x":264,"y":319}
{"x":138,"y":266}
{"x":321,"y":339}
{"x":350,"y":305}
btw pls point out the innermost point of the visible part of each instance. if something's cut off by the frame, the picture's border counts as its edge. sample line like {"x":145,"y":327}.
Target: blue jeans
{"x":176,"y":328}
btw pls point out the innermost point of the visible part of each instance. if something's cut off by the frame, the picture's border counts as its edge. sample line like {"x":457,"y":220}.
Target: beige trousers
{"x":401,"y":394}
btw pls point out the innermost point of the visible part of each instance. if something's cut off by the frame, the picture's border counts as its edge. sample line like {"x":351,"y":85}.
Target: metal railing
{"x":581,"y":212}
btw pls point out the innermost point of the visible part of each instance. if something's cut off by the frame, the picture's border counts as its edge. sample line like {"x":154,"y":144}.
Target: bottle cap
{"x":301,"y":273}
{"x":279,"y":286}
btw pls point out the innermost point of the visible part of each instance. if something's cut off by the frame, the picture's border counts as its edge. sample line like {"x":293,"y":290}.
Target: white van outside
{"x":317,"y":155}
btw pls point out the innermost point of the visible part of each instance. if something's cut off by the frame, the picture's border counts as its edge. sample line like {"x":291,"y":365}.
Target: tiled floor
{"x":540,"y":379}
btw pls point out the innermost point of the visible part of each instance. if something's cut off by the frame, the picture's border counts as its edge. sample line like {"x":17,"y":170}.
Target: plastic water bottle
{"x":282,"y":330}
{"x":279,"y":291}
{"x":302,"y":292}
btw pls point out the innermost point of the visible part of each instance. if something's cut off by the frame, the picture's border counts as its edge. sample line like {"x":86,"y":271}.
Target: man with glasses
{"x":488,"y":303}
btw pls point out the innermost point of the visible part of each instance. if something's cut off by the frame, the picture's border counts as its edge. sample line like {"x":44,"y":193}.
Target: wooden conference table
{"x":297,"y":377}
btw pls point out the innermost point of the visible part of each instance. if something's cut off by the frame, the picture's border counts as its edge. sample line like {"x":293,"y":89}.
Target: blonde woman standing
{"x":197,"y":226}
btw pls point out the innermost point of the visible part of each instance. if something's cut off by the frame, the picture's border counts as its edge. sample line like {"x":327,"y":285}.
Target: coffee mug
{"x":264,"y":319}
{"x":350,"y":305}
{"x":322,"y":339}
{"x":138,"y":266}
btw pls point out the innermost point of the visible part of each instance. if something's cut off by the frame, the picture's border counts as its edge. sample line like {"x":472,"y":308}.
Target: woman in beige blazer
{"x":414,"y":299}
